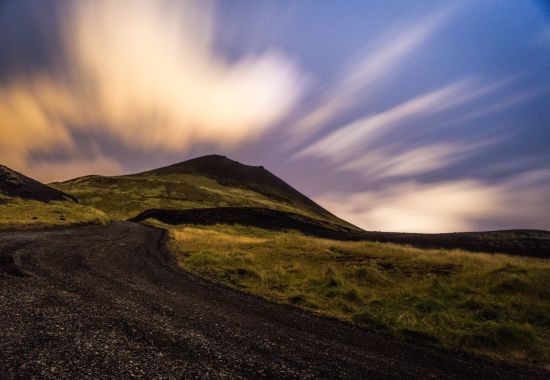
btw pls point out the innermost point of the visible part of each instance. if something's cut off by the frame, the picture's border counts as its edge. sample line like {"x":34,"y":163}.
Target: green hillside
{"x":204,"y":182}
{"x":27,"y":202}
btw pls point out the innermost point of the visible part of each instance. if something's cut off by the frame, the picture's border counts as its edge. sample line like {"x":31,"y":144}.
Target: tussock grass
{"x":490,"y":304}
{"x":18,"y":212}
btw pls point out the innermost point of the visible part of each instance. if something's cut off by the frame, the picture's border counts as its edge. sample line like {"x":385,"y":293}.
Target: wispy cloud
{"x":148,"y":75}
{"x":448,"y":206}
{"x":411,"y":162}
{"x":501,"y":104}
{"x":368,"y":70}
{"x":345,"y":141}
{"x":390,"y":149}
{"x":370,"y":145}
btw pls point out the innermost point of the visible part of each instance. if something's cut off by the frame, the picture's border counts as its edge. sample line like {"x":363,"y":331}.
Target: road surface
{"x":109,"y":302}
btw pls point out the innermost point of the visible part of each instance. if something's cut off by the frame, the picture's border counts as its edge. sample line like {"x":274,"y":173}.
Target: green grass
{"x":16,"y":212}
{"x":124,"y":197}
{"x":495,"y":305}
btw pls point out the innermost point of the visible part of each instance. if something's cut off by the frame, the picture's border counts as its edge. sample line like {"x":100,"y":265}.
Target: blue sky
{"x":396,"y":115}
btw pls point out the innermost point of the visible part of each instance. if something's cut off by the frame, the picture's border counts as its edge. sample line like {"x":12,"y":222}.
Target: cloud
{"x":393,"y":152}
{"x":346,"y":140}
{"x":146,"y":73}
{"x":390,"y":143}
{"x":448,"y":206}
{"x":413,"y":161}
{"x":58,"y":171}
{"x":502,"y":104}
{"x":371,"y":68}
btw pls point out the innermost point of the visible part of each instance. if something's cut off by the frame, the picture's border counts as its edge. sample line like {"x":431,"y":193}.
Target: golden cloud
{"x":147,"y":73}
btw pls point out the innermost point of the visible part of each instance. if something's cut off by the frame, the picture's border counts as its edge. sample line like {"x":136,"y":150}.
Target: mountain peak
{"x":214,"y":166}
{"x":232,"y":173}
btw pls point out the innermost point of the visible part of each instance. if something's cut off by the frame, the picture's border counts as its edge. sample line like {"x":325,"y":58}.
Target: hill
{"x":27,"y":202}
{"x":234,"y":174}
{"x":204,"y":182}
{"x":15,"y":184}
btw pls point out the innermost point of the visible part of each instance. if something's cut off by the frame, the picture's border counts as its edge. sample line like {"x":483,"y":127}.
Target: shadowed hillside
{"x":14,"y":184}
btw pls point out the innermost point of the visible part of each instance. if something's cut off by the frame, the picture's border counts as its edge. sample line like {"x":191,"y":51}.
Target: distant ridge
{"x":15,"y":184}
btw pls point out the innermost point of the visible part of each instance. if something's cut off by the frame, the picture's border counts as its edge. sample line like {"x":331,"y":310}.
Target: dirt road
{"x":107,"y":301}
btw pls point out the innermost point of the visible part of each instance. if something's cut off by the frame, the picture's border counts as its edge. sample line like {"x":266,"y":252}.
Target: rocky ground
{"x":109,"y":302}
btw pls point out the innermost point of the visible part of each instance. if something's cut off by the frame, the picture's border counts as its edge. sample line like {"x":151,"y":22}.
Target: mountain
{"x":234,"y":174}
{"x":15,"y":184}
{"x":211,"y":181}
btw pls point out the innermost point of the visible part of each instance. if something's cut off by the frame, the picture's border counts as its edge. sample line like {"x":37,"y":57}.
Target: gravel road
{"x":109,"y":302}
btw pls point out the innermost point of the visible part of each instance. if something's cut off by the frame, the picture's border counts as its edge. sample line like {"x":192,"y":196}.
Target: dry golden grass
{"x":18,"y":212}
{"x":496,"y":305}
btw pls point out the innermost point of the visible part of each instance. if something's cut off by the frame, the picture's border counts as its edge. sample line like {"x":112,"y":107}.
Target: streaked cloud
{"x":146,"y":73}
{"x":505,"y":102}
{"x":448,"y":206}
{"x":58,"y":171}
{"x":413,"y":161}
{"x":369,"y":145}
{"x":370,"y":69}
{"x":345,"y":141}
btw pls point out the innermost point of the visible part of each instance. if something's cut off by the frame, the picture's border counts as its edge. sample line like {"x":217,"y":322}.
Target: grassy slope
{"x":496,"y":305}
{"x":123,"y":197}
{"x":15,"y":212}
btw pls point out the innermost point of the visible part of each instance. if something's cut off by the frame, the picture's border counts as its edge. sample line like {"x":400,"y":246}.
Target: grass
{"x":494,"y":305}
{"x":124,"y":197}
{"x":18,"y":212}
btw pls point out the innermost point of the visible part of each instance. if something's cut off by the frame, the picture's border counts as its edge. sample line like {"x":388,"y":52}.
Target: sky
{"x":425,"y":116}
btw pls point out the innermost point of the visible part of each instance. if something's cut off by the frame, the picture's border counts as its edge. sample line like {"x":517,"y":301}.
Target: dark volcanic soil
{"x":245,"y":216}
{"x":108,"y":302}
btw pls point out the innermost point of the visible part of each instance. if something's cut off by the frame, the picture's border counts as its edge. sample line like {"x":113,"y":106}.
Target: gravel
{"x":109,"y":302}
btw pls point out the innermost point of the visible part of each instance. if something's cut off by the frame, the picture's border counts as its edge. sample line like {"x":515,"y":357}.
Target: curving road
{"x":108,"y":302}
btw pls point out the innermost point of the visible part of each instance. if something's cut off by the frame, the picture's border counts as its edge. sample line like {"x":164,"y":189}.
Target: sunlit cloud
{"x":413,"y":161}
{"x":146,"y":73}
{"x":58,"y":171}
{"x":448,"y":206}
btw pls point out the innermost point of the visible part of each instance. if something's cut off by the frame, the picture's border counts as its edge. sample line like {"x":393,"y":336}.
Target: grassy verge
{"x":494,"y":305}
{"x":18,"y":212}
